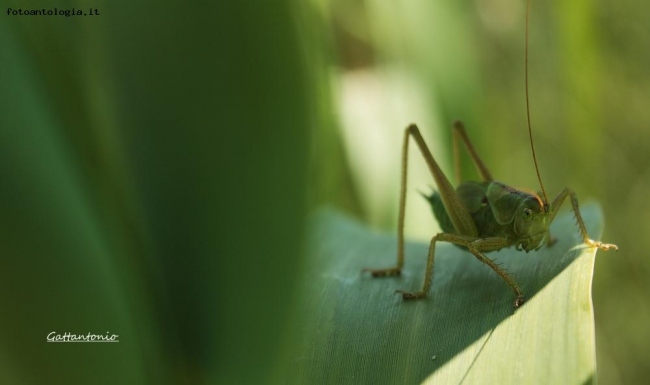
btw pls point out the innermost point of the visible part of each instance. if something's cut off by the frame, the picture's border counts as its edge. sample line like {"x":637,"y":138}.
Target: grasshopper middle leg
{"x":476,"y":246}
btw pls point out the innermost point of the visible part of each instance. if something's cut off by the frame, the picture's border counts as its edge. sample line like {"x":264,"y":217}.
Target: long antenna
{"x":530,"y":130}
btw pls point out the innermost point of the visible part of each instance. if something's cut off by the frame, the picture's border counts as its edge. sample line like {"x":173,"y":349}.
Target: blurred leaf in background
{"x":154,"y":162}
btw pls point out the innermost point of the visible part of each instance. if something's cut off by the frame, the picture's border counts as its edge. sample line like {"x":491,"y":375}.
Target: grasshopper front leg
{"x":555,"y":206}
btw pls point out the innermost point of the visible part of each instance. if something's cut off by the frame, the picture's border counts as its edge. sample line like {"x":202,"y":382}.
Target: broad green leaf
{"x":354,"y":329}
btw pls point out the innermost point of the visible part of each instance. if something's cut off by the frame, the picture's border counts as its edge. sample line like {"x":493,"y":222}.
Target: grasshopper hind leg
{"x":476,"y":246}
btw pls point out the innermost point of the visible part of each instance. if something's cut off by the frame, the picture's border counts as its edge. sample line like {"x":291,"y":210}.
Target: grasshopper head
{"x":531,"y":225}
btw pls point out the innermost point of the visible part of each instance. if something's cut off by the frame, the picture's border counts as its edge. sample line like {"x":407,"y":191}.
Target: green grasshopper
{"x":483,"y":216}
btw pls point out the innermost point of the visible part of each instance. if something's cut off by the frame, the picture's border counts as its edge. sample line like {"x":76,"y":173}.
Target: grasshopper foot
{"x":406,"y":295}
{"x":519,"y":301}
{"x":602,"y":246}
{"x":391,"y":272}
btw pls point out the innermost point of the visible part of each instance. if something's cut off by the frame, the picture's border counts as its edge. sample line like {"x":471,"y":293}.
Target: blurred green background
{"x":159,"y":161}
